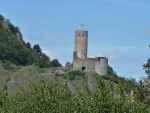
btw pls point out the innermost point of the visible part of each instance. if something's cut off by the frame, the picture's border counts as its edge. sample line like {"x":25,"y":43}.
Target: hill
{"x":13,"y":49}
{"x":33,"y":89}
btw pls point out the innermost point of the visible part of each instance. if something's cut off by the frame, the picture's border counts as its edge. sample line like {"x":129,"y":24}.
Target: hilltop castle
{"x":80,"y":56}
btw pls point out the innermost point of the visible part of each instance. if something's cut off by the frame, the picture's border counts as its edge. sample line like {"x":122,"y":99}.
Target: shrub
{"x":54,"y":97}
{"x":74,"y":75}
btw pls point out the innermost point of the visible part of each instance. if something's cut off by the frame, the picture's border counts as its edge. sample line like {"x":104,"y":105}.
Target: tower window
{"x":83,"y":68}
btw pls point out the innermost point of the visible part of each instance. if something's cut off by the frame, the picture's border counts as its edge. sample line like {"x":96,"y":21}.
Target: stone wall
{"x":81,"y":44}
{"x":99,"y":66}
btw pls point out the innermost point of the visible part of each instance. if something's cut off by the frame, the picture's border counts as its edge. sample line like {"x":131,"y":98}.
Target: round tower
{"x":81,"y":43}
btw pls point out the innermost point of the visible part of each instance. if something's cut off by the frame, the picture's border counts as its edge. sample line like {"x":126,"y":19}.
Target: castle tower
{"x":81,"y":44}
{"x":81,"y":62}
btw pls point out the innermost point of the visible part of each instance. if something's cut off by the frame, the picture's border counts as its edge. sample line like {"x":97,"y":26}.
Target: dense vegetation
{"x":55,"y":97}
{"x":13,"y":49}
{"x":146,"y":82}
{"x":40,"y":92}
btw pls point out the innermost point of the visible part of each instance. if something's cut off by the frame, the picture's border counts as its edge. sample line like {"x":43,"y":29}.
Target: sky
{"x":118,"y":29}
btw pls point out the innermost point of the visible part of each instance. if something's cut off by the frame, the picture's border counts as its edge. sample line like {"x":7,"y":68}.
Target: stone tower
{"x":81,"y":61}
{"x":81,"y":44}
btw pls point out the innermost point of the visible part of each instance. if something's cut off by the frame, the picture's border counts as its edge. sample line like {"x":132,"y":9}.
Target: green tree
{"x":55,"y":63}
{"x":28,"y":45}
{"x":37,"y":49}
{"x":1,"y":18}
{"x":15,"y":50}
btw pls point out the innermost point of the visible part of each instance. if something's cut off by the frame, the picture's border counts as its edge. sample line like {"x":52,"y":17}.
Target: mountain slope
{"x":13,"y":49}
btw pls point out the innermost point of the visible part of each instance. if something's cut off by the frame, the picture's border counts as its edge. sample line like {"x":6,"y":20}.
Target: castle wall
{"x":78,"y":64}
{"x":87,"y":65}
{"x":90,"y":65}
{"x":101,"y":66}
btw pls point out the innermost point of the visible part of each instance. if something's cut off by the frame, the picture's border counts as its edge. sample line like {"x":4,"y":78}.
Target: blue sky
{"x":118,"y":29}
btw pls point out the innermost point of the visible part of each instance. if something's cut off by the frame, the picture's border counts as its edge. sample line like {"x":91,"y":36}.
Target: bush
{"x":55,"y":63}
{"x":74,"y":75}
{"x":54,"y":97}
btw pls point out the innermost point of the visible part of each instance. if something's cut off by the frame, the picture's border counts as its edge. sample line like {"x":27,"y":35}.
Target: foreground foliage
{"x":54,"y":97}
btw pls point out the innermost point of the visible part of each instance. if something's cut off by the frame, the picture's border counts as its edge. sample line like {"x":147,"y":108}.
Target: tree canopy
{"x":15,"y":50}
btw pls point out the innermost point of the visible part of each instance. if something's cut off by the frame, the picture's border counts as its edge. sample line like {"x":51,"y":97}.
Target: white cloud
{"x":49,"y":53}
